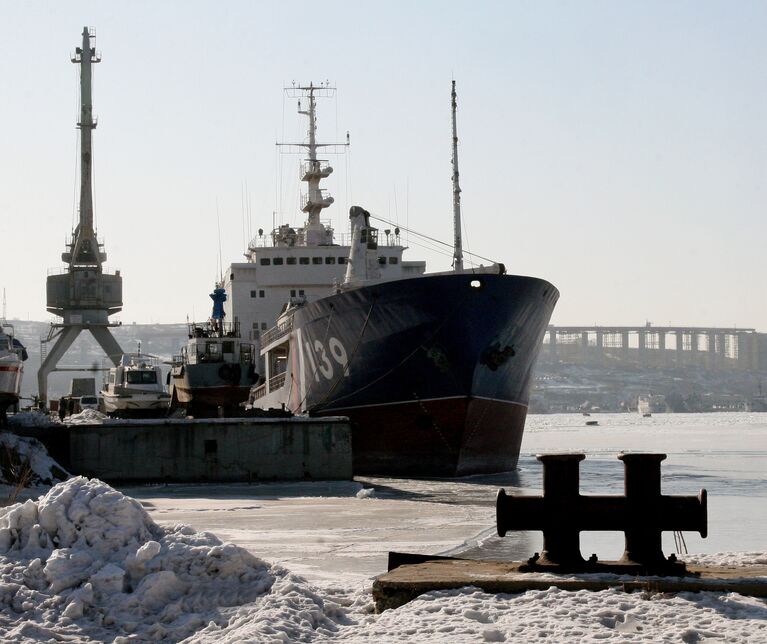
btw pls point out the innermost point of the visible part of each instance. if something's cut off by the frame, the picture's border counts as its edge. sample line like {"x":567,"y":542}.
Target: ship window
{"x":303,"y":260}
{"x":211,"y":447}
{"x":393,"y":260}
{"x":211,"y":348}
{"x":342,"y":260}
{"x":252,"y":294}
{"x":228,"y":346}
{"x":382,"y":261}
{"x":265,"y":261}
{"x":255,"y":325}
{"x":261,"y":294}
{"x":231,"y":277}
{"x":141,"y":377}
{"x":278,"y":261}
{"x":301,"y":292}
{"x":330,"y":260}
{"x":290,"y":260}
{"x":292,"y":292}
{"x":263,"y":326}
{"x":111,"y":379}
{"x":316,"y":260}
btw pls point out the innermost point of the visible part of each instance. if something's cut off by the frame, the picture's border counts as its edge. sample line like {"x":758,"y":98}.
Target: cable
{"x":432,"y":239}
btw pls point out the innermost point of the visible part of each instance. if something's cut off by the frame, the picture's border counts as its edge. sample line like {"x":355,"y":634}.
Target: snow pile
{"x":25,"y":462}
{"x":30,"y":419}
{"x":87,"y":417}
{"x":728,"y":559}
{"x":87,"y":562}
{"x":366,"y":493}
{"x":554,"y":615}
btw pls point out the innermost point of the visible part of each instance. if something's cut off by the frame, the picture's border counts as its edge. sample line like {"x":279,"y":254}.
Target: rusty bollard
{"x":642,"y":513}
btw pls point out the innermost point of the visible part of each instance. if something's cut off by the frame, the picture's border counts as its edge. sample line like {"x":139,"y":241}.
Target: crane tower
{"x":83,"y":295}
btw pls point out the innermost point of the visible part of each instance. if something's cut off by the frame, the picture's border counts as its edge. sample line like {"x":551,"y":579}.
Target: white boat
{"x":648,"y":404}
{"x":12,"y":356}
{"x":135,"y":388}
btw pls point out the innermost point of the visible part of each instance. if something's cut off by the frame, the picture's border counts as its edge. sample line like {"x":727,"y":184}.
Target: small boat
{"x":214,"y":372}
{"x":12,"y":357}
{"x":135,"y":388}
{"x":591,"y":423}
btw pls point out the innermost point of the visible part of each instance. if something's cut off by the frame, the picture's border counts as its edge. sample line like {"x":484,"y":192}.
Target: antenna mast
{"x":314,"y":169}
{"x":458,"y":242}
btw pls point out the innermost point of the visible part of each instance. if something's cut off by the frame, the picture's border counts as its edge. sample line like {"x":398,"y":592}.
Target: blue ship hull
{"x":435,"y":372}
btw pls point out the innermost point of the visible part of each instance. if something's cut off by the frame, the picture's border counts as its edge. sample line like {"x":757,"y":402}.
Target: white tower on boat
{"x":457,"y":243}
{"x":313,"y":169}
{"x":84,"y":296}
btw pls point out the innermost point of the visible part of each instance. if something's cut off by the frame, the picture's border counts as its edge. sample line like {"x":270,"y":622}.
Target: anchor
{"x":642,"y":513}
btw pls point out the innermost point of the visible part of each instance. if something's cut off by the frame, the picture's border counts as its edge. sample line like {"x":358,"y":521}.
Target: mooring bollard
{"x":642,"y":513}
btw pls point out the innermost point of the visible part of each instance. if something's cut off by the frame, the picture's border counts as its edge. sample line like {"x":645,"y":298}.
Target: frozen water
{"x":85,"y":563}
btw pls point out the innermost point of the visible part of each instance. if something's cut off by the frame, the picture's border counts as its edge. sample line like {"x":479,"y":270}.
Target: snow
{"x":43,"y":470}
{"x":86,"y":563}
{"x":87,"y":417}
{"x":30,"y":419}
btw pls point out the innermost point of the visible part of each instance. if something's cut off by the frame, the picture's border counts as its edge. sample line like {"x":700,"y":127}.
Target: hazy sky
{"x":617,"y":149}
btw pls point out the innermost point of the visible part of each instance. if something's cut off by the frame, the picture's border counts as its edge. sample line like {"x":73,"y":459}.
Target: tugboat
{"x":12,"y":357}
{"x":135,"y":388}
{"x":434,"y":371}
{"x":215,"y":370}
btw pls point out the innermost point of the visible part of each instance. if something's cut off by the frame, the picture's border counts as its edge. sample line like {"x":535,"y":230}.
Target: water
{"x":726,"y":453}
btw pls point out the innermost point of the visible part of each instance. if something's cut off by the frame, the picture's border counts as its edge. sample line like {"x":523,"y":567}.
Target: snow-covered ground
{"x":87,"y":563}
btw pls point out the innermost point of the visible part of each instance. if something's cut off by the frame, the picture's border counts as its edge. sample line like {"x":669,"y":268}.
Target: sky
{"x":616,"y":149}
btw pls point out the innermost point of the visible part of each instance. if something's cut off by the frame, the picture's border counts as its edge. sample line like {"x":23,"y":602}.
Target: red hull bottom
{"x":439,"y":437}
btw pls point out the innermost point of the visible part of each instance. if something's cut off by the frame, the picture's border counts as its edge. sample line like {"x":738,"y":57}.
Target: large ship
{"x":434,"y":370}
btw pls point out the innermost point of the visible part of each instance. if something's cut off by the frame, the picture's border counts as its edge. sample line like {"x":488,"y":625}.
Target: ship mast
{"x":313,"y":170}
{"x":457,"y":239}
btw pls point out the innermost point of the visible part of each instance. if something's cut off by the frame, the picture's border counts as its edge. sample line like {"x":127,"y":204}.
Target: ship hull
{"x":11,"y":371}
{"x":434,"y":372}
{"x":202,"y":388}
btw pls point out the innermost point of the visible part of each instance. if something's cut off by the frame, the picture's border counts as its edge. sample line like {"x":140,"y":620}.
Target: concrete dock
{"x":193,"y":450}
{"x":405,"y":583}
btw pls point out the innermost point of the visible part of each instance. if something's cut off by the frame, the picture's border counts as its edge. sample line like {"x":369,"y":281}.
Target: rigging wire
{"x":432,"y":239}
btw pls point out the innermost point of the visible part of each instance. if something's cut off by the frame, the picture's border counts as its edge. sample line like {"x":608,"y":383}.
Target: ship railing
{"x":259,"y":392}
{"x":275,"y":382}
{"x":324,"y":199}
{"x":276,"y":332}
{"x":308,"y":168}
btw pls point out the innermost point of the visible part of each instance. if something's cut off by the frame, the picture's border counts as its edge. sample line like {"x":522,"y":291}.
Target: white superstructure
{"x":12,"y":355}
{"x":308,"y":262}
{"x":135,"y":387}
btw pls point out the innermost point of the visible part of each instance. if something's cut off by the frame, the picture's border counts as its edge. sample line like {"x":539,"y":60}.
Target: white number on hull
{"x":338,"y":352}
{"x":325,"y":367}
{"x":322,"y":364}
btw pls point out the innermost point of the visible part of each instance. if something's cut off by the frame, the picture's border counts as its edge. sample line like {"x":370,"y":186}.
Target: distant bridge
{"x":658,"y":346}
